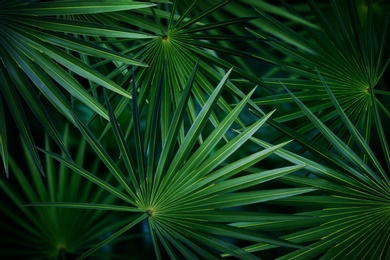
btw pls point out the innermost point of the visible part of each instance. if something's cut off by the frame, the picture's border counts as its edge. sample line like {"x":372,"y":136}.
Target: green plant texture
{"x":178,"y":129}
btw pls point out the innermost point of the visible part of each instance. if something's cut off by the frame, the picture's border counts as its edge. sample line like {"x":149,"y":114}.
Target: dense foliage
{"x":194,"y":129}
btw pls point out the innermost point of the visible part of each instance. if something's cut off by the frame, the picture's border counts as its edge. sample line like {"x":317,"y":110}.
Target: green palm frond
{"x":181,"y":40}
{"x":248,"y":8}
{"x":37,"y":41}
{"x":48,"y":232}
{"x":183,"y":188}
{"x":350,"y":55}
{"x":352,"y":209}
{"x":181,"y":129}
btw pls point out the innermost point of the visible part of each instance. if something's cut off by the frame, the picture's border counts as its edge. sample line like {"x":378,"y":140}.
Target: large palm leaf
{"x":182,"y":188}
{"x":351,"y":56}
{"x":182,"y":39}
{"x":175,"y":170}
{"x":351,"y":215}
{"x":47,"y":232}
{"x":37,"y":41}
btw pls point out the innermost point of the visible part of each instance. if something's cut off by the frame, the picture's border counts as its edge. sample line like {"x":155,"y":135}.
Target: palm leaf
{"x":33,"y":43}
{"x":179,"y":45}
{"x":169,"y":163}
{"x":343,"y":50}
{"x":180,"y":192}
{"x":352,"y":210}
{"x":50,"y":232}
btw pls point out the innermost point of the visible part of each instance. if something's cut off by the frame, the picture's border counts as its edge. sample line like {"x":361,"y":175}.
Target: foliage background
{"x":99,"y":98}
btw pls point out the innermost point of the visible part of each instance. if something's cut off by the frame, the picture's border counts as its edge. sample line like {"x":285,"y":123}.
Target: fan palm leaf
{"x":350,"y":55}
{"x":170,"y":182}
{"x":48,"y":232}
{"x":36,"y":44}
{"x":351,"y":212}
{"x":181,"y":40}
{"x":163,"y":160}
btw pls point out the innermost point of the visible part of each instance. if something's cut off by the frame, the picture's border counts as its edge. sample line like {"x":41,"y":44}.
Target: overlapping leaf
{"x":36,"y":46}
{"x":186,"y":178}
{"x":182,"y":40}
{"x":350,"y":55}
{"x":51,"y":232}
{"x":351,"y":215}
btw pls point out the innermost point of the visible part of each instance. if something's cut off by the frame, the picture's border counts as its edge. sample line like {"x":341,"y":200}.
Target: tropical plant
{"x":179,"y":187}
{"x":350,"y":55}
{"x":354,"y":197}
{"x":191,"y":129}
{"x":37,"y":41}
{"x":48,"y":232}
